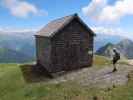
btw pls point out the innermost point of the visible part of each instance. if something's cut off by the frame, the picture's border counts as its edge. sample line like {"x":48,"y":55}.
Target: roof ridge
{"x":56,"y":25}
{"x":65,"y":23}
{"x":72,"y":15}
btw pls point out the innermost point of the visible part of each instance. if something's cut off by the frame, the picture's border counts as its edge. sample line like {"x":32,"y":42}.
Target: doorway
{"x":71,"y":56}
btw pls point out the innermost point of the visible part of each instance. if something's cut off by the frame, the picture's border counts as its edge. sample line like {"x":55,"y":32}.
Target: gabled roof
{"x":56,"y":25}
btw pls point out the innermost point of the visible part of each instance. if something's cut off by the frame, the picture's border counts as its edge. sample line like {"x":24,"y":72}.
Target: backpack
{"x":117,"y":55}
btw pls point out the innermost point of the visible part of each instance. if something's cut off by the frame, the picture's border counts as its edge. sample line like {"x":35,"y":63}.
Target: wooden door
{"x":71,"y":58}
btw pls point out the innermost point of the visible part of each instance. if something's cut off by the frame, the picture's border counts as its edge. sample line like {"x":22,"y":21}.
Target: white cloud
{"x":109,"y":31}
{"x":112,"y":31}
{"x":107,"y":12}
{"x":94,"y":8}
{"x":21,"y":8}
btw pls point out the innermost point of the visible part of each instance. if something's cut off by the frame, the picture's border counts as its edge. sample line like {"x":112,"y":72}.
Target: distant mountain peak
{"x":103,"y":39}
{"x":125,"y":47}
{"x":105,"y":50}
{"x":126,"y":41}
{"x":109,"y":44}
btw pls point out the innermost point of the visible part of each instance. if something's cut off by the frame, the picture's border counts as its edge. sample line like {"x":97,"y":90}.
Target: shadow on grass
{"x":34,"y":73}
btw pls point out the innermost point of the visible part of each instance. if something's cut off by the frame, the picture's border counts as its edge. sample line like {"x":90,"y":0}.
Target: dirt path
{"x":97,"y":77}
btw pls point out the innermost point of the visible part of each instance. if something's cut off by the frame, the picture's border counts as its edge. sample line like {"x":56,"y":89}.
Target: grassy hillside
{"x":101,"y":60}
{"x":13,"y":87}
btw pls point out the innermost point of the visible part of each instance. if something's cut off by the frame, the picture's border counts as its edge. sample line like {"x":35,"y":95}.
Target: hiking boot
{"x":114,"y":70}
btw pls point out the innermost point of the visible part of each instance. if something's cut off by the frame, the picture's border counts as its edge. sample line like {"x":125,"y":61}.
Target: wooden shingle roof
{"x":54,"y":26}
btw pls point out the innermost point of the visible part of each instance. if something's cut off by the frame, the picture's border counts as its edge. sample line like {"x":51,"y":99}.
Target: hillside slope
{"x":12,"y":85}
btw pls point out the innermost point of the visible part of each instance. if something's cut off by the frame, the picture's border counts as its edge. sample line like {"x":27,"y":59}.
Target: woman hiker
{"x":116,"y":57}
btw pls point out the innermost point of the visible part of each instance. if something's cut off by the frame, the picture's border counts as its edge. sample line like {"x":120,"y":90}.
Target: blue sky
{"x":103,"y":16}
{"x":54,"y":8}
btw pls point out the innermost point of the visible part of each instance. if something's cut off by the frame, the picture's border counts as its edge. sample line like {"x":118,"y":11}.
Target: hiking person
{"x":116,"y":57}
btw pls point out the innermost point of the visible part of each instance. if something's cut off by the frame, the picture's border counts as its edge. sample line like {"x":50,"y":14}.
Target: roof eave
{"x":42,"y":36}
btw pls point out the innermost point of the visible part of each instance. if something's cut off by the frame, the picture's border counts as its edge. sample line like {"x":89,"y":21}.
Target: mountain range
{"x":20,"y":46}
{"x":17,"y":47}
{"x":125,"y":47}
{"x":102,"y":39}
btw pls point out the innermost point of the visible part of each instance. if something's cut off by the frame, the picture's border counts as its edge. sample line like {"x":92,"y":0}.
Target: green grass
{"x":13,"y":87}
{"x":101,"y":61}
